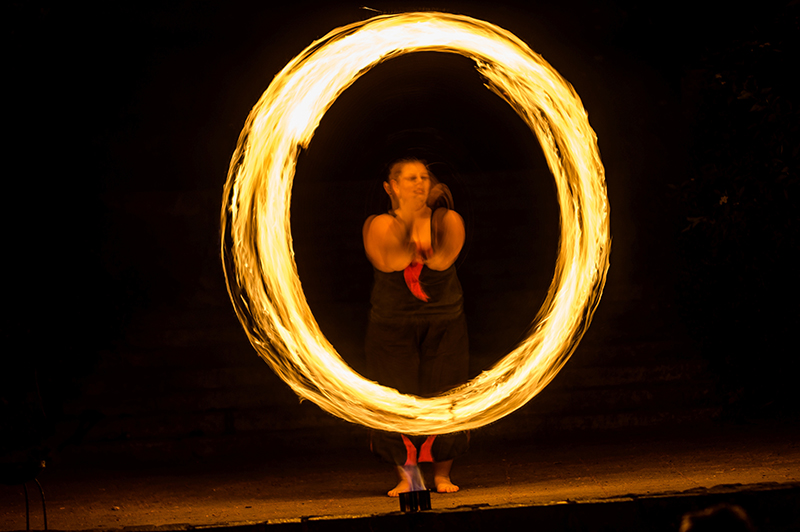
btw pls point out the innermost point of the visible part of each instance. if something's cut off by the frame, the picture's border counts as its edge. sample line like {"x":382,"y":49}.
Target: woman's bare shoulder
{"x":378,"y":221}
{"x":449,"y":218}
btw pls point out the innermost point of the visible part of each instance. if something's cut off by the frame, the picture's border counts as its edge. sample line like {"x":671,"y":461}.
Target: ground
{"x":341,"y":483}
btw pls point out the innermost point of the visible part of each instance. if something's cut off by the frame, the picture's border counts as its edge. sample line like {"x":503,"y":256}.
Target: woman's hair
{"x":396,"y":166}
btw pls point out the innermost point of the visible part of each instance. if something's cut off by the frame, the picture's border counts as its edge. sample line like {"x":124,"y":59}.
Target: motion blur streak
{"x":257,"y":251}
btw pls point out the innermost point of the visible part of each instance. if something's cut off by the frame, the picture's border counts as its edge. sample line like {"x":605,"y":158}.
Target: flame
{"x":256,"y":239}
{"x":413,"y":476}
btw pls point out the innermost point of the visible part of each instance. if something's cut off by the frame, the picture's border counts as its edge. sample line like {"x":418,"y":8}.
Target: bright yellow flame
{"x":257,"y":245}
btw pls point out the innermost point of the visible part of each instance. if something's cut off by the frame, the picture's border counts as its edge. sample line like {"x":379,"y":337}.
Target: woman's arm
{"x":387,"y":243}
{"x":448,"y":238}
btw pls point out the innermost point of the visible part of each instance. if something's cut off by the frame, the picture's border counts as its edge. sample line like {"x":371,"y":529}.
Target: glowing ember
{"x":257,"y":246}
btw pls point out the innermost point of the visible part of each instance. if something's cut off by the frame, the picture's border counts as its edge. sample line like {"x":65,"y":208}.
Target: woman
{"x":417,"y":335}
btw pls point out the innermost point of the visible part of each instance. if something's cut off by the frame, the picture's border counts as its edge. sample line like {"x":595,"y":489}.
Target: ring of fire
{"x":257,"y":252}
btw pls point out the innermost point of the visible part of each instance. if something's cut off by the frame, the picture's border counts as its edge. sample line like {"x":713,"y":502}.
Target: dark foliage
{"x":739,"y":207}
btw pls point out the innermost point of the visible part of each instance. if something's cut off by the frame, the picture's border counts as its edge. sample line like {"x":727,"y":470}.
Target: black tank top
{"x":392,"y":299}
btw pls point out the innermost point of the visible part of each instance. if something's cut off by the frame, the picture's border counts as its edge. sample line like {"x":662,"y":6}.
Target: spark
{"x":257,"y":251}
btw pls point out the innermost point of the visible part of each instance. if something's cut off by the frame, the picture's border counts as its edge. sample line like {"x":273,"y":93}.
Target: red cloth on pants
{"x":421,"y":357}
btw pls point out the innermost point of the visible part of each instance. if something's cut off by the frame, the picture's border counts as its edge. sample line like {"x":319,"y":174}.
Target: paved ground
{"x":349,"y":483}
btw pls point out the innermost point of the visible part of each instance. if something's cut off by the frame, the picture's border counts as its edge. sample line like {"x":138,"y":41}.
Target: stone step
{"x":519,"y":425}
{"x":161,"y":450}
{"x":337,"y":434}
{"x":130,"y":400}
{"x":628,"y":398}
{"x":152,"y":426}
{"x":641,"y":356}
{"x":187,"y":414}
{"x":142,"y":389}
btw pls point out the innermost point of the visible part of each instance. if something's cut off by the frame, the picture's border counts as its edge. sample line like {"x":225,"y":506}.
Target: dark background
{"x":119,"y":333}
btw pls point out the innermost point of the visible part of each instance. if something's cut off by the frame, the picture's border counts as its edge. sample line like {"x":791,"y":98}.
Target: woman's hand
{"x":440,"y":196}
{"x":387,"y":243}
{"x":448,"y":238}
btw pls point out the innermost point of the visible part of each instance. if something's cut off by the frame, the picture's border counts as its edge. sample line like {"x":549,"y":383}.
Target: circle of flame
{"x":257,"y":251}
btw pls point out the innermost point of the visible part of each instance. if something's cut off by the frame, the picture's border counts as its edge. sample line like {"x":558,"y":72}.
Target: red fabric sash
{"x":424,"y":451}
{"x":411,"y":451}
{"x":411,"y":275}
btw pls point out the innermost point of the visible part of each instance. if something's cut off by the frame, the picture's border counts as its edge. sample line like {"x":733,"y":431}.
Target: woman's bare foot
{"x":403,"y":485}
{"x":443,"y":485}
{"x":441,"y":477}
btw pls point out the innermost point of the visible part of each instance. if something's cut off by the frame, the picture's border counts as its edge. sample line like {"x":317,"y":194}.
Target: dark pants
{"x":424,"y":358}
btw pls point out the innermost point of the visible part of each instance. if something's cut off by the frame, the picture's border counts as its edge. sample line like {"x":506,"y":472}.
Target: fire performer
{"x":417,"y":335}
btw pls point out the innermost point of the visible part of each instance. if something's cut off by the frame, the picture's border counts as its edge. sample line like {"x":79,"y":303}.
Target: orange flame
{"x":257,"y":247}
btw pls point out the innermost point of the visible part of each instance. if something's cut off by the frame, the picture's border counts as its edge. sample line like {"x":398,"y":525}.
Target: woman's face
{"x":412,"y":184}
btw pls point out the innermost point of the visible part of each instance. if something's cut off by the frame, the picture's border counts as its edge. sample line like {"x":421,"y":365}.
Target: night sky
{"x":124,"y":118}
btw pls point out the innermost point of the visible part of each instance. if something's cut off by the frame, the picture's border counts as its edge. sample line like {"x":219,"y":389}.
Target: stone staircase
{"x":189,"y":385}
{"x":185,"y":382}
